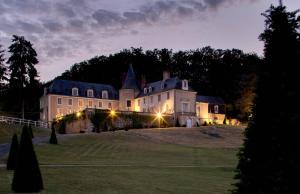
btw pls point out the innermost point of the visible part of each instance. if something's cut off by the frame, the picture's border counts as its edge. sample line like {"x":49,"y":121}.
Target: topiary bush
{"x":13,"y":152}
{"x":27,"y":176}
{"x":53,"y":138}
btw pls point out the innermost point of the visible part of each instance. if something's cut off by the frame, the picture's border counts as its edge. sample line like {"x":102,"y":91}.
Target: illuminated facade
{"x":168,"y":96}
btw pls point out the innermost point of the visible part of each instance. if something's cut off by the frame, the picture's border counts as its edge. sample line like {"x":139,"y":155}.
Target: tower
{"x":129,"y":91}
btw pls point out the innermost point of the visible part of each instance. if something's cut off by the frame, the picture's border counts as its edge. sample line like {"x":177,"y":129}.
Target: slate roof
{"x":210,"y":99}
{"x":172,"y":83}
{"x":64,"y":87}
{"x":130,"y":80}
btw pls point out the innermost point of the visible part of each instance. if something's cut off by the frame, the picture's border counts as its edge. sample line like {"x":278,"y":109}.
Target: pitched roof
{"x":172,"y":83}
{"x":210,"y":99}
{"x":64,"y":87}
{"x":130,"y":80}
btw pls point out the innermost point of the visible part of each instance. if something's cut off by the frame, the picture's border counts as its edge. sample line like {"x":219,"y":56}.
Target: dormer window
{"x":162,"y":85}
{"x":150,"y":89}
{"x":104,"y":94}
{"x":145,"y":90}
{"x":185,"y":85}
{"x":74,"y":91}
{"x":90,"y":93}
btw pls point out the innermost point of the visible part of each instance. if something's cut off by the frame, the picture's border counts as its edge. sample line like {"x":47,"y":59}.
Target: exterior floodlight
{"x":78,"y":114}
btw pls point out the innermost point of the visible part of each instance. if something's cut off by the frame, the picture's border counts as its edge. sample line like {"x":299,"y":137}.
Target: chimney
{"x":143,"y":81}
{"x":166,"y":75}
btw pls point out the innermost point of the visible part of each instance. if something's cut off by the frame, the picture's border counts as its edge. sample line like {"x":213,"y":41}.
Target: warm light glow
{"x":78,"y":114}
{"x":112,"y":113}
{"x":158,"y":115}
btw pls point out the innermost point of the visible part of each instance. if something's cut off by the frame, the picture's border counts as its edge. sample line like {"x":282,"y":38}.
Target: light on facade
{"x":78,"y":114}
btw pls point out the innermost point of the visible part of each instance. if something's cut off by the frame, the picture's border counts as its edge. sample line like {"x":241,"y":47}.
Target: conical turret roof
{"x":130,"y":80}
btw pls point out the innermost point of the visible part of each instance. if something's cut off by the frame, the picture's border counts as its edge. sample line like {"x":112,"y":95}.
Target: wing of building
{"x":170,"y":95}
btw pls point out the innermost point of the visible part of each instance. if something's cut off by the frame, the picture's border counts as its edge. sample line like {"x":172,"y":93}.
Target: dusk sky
{"x":70,"y":31}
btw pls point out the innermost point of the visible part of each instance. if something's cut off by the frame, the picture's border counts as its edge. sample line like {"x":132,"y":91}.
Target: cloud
{"x":63,"y":29}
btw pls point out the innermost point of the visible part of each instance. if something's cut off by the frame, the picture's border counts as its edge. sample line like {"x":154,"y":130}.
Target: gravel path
{"x":4,"y":148}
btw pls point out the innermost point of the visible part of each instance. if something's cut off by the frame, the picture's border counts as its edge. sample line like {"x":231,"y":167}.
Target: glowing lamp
{"x":158,"y":115}
{"x":112,"y":113}
{"x":78,"y":114}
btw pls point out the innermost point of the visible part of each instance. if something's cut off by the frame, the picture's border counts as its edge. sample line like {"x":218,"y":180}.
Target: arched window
{"x":90,"y":93}
{"x":104,"y":94}
{"x":74,"y":91}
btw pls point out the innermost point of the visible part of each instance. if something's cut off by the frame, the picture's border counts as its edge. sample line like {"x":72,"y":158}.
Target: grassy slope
{"x":153,"y":167}
{"x":6,"y":132}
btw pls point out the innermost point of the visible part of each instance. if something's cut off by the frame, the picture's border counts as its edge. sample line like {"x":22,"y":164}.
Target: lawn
{"x":134,"y":162}
{"x":7,"y":130}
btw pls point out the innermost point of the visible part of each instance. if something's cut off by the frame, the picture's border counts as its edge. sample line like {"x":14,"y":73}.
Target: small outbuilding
{"x":210,"y":109}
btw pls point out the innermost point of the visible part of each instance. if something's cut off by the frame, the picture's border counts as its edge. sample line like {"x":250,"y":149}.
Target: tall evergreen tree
{"x":27,"y":176}
{"x":269,"y":160}
{"x":13,"y":152}
{"x":22,"y":67}
{"x":3,"y":69}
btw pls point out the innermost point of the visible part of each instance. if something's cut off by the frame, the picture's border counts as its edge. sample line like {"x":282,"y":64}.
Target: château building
{"x":170,"y":95}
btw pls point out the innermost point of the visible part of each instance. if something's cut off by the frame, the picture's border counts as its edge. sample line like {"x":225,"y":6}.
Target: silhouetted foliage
{"x":53,"y":138}
{"x":3,"y":69}
{"x":269,"y":161}
{"x":177,"y":124}
{"x":27,"y":176}
{"x":224,"y":73}
{"x":30,"y":131}
{"x":24,"y":89}
{"x":13,"y":152}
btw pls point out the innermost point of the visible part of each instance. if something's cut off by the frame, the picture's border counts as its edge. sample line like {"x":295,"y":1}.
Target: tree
{"x":269,"y":160}
{"x":22,"y":67}
{"x":30,"y":131}
{"x":53,"y":139}
{"x":13,"y":152}
{"x":3,"y":69}
{"x":27,"y":176}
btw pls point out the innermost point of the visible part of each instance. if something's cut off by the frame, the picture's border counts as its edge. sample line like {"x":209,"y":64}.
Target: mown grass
{"x":148,"y":166}
{"x":7,"y":131}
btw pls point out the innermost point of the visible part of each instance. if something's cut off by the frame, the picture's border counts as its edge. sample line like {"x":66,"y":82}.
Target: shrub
{"x":205,"y":123}
{"x":13,"y":152}
{"x":53,"y":139}
{"x":177,"y":123}
{"x":27,"y":176}
{"x":30,"y":131}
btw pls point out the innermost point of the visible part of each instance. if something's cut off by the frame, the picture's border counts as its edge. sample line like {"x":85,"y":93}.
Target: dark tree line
{"x":230,"y":74}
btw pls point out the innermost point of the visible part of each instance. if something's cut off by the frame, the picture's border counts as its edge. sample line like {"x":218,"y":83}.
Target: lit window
{"x":90,"y":93}
{"x":158,"y":98}
{"x":74,"y":91}
{"x":109,"y":105}
{"x":145,"y":90}
{"x":128,"y":103}
{"x":168,"y":95}
{"x":144,"y":99}
{"x":216,"y":109}
{"x":162,"y":85}
{"x":100,"y":104}
{"x":80,"y":102}
{"x":104,"y":94}
{"x":150,"y":89}
{"x":59,"y":101}
{"x":90,"y":103}
{"x":70,"y":101}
